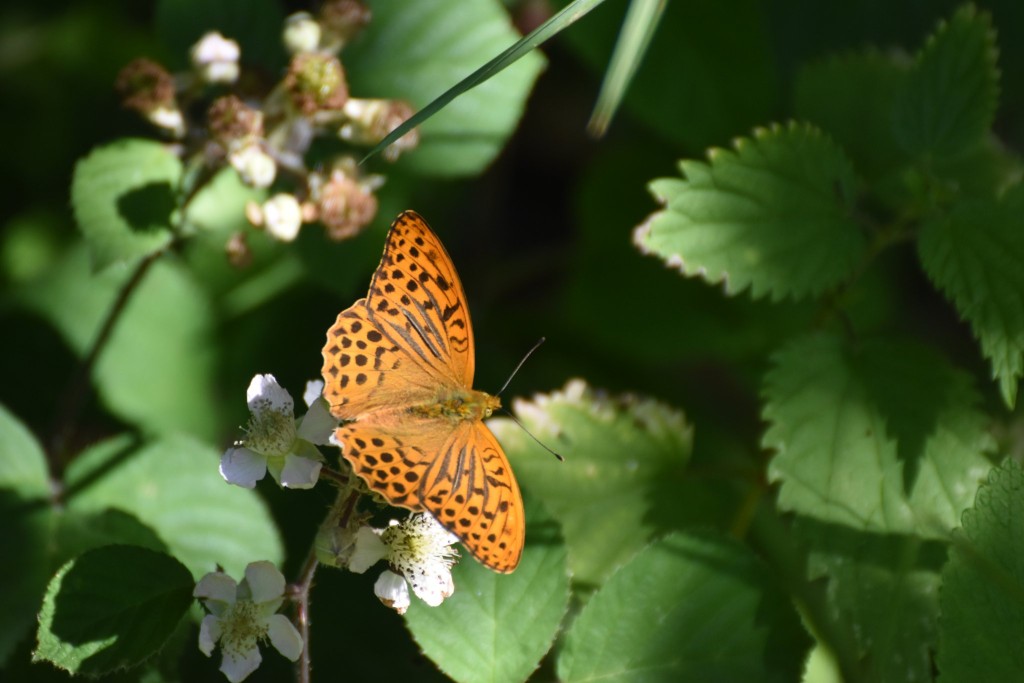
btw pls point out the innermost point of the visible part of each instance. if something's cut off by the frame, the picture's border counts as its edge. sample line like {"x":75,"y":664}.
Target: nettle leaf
{"x":774,"y":215}
{"x":111,"y":608}
{"x":686,"y":608}
{"x":851,"y":96}
{"x":28,"y":518}
{"x":157,"y":368}
{"x":123,"y":195}
{"x":974,"y":255}
{"x":415,"y":51}
{"x":468,"y":635}
{"x":618,"y":452}
{"x":884,"y":438}
{"x":949,"y":99}
{"x":982,"y":598}
{"x":172,"y":486}
{"x":884,"y":588}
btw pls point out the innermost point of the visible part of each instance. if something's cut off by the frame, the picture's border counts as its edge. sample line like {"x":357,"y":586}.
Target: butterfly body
{"x":398,"y":371}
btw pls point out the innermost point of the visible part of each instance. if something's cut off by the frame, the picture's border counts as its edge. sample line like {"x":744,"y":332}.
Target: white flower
{"x":242,"y":615}
{"x":282,"y":216}
{"x":216,"y":58}
{"x":256,"y":167}
{"x":301,"y":33}
{"x":276,"y":441}
{"x":418,"y":551}
{"x":169,"y":118}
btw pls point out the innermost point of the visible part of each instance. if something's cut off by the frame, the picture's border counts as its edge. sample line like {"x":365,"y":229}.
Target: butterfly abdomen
{"x":457,"y":405}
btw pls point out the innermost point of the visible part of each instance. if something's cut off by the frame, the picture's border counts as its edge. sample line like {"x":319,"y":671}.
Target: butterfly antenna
{"x":528,"y":354}
{"x":539,"y":442}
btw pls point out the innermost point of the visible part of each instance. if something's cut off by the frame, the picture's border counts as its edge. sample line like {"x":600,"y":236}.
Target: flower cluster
{"x":265,"y":136}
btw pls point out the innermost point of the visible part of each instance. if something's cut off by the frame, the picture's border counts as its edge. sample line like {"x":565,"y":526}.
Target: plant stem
{"x":76,"y":390}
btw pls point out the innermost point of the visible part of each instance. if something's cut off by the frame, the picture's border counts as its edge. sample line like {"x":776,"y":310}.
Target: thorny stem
{"x":299,"y":591}
{"x":75,"y":392}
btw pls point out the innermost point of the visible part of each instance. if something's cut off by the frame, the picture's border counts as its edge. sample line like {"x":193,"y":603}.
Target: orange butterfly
{"x":398,"y":370}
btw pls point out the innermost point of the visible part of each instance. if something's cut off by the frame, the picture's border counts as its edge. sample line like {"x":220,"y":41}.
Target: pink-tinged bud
{"x":345,"y":205}
{"x":148,"y":88}
{"x":341,"y":20}
{"x":215,"y":58}
{"x":316,"y":82}
{"x":371,"y":120}
{"x":230,"y":120}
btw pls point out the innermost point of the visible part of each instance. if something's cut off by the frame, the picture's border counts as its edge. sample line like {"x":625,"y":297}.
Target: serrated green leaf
{"x":686,"y":608}
{"x":883,"y":438}
{"x":852,"y":98}
{"x":468,"y":635}
{"x":618,"y":451}
{"x":885,"y":588}
{"x":973,"y":254}
{"x":773,"y":215}
{"x":982,"y":598}
{"x":157,"y":367}
{"x":413,"y":51}
{"x":123,"y":195}
{"x":949,"y":99}
{"x":111,"y":608}
{"x":24,"y":505}
{"x":172,"y":485}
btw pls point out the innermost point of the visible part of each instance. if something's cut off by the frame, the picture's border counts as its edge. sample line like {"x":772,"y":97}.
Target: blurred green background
{"x":542,"y":238}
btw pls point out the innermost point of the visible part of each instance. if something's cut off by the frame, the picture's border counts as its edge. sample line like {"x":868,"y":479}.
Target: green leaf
{"x":172,"y":485}
{"x":123,"y":195}
{"x":618,"y":452}
{"x":885,"y":589}
{"x":468,"y":635}
{"x":23,"y":468}
{"x":949,"y":99}
{"x":852,"y":96}
{"x":686,"y":608}
{"x":885,"y":437}
{"x":219,"y":207}
{"x":157,"y":369}
{"x":973,"y":254}
{"x":111,"y":608}
{"x":411,"y":51}
{"x":775,"y":215}
{"x":982,"y":598}
{"x":25,"y":509}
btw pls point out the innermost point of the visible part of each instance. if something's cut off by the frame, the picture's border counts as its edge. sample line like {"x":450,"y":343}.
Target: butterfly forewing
{"x":398,"y":369}
{"x":417,"y":300}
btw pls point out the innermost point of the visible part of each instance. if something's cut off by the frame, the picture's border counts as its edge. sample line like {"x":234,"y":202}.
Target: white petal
{"x":299,"y":472}
{"x":369,"y":550}
{"x":265,"y":581}
{"x":314,"y":388}
{"x":284,"y":636}
{"x":392,"y":591}
{"x":317,"y":425}
{"x":265,"y":393}
{"x":237,"y":666}
{"x":216,"y":586}
{"x":209,"y":634}
{"x":433,"y":584}
{"x":242,"y":467}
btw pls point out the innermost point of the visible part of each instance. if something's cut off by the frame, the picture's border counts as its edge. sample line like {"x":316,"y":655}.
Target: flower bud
{"x":341,"y":20}
{"x":148,"y":88}
{"x":231,"y":120}
{"x":316,"y":82}
{"x":371,"y":120}
{"x":215,"y":58}
{"x":282,"y":216}
{"x":255,"y":166}
{"x":345,"y":205}
{"x":301,"y":33}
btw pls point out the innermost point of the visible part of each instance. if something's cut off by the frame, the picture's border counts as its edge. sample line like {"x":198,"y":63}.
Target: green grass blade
{"x":557,"y":23}
{"x":637,"y":30}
